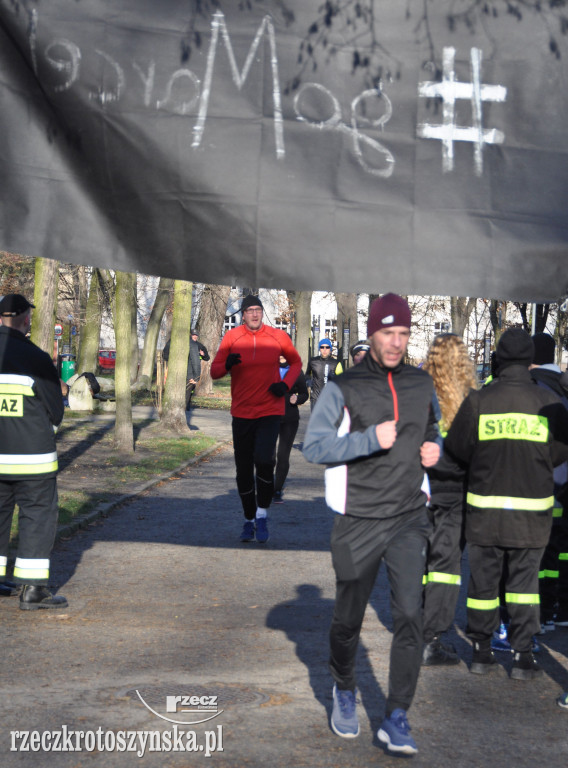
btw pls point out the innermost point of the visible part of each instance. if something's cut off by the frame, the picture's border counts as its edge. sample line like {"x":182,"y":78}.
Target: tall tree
{"x":498,"y":316}
{"x":91,"y":330}
{"x":123,"y":431}
{"x":134,"y":351}
{"x":212,"y":311}
{"x":347,"y":318}
{"x":163,"y":298}
{"x":460,"y":312}
{"x":45,"y":300}
{"x":173,"y":414}
{"x":561,"y":333}
{"x":302,"y":304}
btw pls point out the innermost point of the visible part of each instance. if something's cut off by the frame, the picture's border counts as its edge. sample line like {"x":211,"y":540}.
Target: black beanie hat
{"x":251,"y":301}
{"x":544,"y":348}
{"x":515,"y":348}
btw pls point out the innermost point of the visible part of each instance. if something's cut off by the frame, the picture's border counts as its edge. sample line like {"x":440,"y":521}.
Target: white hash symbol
{"x":449,"y":90}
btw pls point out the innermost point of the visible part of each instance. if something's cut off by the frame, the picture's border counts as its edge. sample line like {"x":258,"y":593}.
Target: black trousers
{"x":487,"y":564}
{"x":286,"y":435}
{"x":553,"y":575}
{"x":37,"y":522}
{"x":254,"y":442}
{"x":358,"y":546}
{"x":443,"y":573}
{"x":189,"y":390}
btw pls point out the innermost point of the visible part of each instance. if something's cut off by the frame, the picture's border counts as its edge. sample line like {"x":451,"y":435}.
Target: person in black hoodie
{"x":553,"y":581}
{"x":376,"y":428}
{"x":296,"y":396}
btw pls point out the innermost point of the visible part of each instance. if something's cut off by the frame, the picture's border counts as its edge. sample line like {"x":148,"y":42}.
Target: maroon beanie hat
{"x":389,"y":310}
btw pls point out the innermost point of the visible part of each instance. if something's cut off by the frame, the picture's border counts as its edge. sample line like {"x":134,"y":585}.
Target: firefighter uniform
{"x":442,"y":581}
{"x":511,"y":435}
{"x":31,"y":407}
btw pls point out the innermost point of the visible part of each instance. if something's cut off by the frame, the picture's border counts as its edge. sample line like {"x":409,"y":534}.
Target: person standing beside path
{"x":251,"y":354}
{"x":510,"y":435}
{"x":31,"y":407}
{"x":197,"y":353}
{"x":321,"y":369}
{"x":376,"y":425}
{"x":203,"y":353}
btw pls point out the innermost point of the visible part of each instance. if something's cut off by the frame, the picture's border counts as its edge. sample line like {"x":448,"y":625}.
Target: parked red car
{"x":107,"y":359}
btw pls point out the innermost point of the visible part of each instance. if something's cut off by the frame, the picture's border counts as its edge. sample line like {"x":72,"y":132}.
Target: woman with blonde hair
{"x":454,"y":376}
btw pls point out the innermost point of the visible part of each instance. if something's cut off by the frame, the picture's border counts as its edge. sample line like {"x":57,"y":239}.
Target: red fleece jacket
{"x":259,"y":368}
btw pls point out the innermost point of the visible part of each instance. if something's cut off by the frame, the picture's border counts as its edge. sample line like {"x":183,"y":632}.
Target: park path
{"x":164,"y":600}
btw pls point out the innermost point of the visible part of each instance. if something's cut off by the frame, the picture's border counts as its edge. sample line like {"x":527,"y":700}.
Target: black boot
{"x":33,"y":597}
{"x":437,"y":654}
{"x":483,"y":660}
{"x":525,"y":666}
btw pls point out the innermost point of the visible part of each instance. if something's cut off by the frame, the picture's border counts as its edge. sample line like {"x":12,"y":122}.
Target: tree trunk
{"x":346,"y":319}
{"x":302,"y":303}
{"x":460,"y":310}
{"x":498,"y":316}
{"x":123,"y":431}
{"x":560,"y":334}
{"x":212,"y":312}
{"x":163,"y":297}
{"x":45,"y":300}
{"x":541,"y":311}
{"x":173,"y":414}
{"x":134,"y":351}
{"x":91,"y":333}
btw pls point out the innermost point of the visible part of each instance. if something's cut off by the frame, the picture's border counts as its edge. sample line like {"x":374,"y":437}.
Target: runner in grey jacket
{"x":376,"y":425}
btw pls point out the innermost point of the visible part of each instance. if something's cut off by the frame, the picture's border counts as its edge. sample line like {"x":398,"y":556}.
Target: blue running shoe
{"x":248,"y":531}
{"x":500,"y":640}
{"x":261,"y":530}
{"x":535,"y":646}
{"x":344,"y":720}
{"x":395,"y":734}
{"x":562,"y":700}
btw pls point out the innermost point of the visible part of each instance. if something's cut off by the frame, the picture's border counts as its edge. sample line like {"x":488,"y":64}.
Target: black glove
{"x":233,"y":359}
{"x":278,"y":389}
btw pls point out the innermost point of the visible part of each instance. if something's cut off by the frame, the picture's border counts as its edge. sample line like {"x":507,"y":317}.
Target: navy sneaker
{"x":261,"y":530}
{"x":344,"y":720}
{"x":248,"y":531}
{"x":277,"y":498}
{"x":395,"y":734}
{"x":562,"y":700}
{"x":500,"y":639}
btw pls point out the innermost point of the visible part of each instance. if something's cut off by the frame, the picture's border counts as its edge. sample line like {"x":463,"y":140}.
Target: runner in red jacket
{"x":251,"y":353}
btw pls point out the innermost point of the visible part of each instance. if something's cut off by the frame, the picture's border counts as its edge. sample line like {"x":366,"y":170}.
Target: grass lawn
{"x":154,"y":456}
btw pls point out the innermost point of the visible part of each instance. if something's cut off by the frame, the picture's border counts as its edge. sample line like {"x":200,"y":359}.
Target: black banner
{"x":371,"y":146}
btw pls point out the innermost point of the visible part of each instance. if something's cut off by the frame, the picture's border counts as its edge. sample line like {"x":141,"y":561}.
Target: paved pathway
{"x":164,"y":600}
